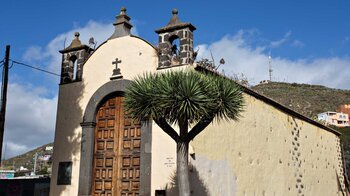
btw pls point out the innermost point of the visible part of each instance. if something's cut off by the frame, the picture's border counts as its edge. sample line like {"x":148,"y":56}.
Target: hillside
{"x":27,"y":159}
{"x":305,"y":99}
{"x":308,"y":100}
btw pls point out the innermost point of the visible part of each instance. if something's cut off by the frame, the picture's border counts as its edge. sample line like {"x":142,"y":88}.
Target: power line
{"x":11,"y":65}
{"x":39,"y":69}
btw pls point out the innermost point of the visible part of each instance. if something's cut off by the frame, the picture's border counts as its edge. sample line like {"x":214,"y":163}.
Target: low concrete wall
{"x":35,"y":187}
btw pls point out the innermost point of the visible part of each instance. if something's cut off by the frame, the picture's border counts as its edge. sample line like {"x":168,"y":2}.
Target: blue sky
{"x":309,"y":42}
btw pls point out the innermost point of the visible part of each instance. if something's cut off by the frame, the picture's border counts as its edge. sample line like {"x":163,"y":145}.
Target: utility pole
{"x":3,"y":97}
{"x":35,"y":158}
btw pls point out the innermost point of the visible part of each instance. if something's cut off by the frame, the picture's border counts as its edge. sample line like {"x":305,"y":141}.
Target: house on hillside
{"x":345,"y":108}
{"x":334,"y":118}
{"x":99,"y":150}
{"x":7,"y":174}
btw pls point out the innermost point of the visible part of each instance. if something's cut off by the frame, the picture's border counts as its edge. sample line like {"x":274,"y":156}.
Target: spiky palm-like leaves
{"x":183,"y":98}
{"x":183,"y":95}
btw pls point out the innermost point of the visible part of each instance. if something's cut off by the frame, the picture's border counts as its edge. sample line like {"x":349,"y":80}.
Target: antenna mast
{"x":270,"y":68}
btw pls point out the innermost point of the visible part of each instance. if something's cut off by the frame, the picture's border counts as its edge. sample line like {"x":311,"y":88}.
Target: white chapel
{"x":99,"y":150}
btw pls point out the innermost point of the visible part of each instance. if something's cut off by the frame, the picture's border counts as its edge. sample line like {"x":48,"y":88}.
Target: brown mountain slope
{"x":305,"y":99}
{"x":26,"y":159}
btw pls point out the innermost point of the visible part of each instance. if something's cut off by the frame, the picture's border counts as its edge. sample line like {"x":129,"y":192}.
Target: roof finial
{"x":174,"y":20}
{"x":75,"y":42}
{"x":175,"y":23}
{"x":77,"y":34}
{"x":123,"y":11}
{"x":122,"y":24}
{"x":175,"y":12}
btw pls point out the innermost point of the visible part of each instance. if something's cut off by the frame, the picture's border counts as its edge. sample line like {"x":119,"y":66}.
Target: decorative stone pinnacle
{"x":77,"y":34}
{"x":122,"y":24}
{"x":175,"y":12}
{"x":175,"y":23}
{"x":123,"y":11}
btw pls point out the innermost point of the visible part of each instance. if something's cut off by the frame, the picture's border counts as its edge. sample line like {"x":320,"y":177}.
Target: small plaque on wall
{"x":64,"y":173}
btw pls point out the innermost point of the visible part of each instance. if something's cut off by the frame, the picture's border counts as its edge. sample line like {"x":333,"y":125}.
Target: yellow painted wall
{"x":267,"y":152}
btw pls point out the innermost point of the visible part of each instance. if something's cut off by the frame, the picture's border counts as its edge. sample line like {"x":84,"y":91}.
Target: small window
{"x":74,"y":64}
{"x":175,"y":45}
{"x":64,"y":173}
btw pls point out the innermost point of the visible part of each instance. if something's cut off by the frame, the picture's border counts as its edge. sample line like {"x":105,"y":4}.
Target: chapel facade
{"x":100,"y":150}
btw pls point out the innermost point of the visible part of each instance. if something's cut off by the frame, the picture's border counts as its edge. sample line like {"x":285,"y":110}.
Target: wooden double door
{"x":116,"y":163}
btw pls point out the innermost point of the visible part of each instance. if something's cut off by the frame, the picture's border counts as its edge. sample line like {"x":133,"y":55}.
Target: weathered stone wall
{"x":67,"y":70}
{"x":185,"y":55}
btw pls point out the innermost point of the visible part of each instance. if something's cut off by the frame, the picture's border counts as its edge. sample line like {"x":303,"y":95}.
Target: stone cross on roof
{"x":116,"y":72}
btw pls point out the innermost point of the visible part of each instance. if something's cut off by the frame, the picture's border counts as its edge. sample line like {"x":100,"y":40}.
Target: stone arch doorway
{"x":116,"y":163}
{"x":108,"y":169}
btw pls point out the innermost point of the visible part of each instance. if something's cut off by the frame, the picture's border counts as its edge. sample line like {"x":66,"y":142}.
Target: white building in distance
{"x":334,"y":118}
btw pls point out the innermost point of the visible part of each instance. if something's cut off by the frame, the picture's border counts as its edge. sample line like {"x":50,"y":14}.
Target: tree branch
{"x":199,"y":127}
{"x":183,"y":125}
{"x":161,"y":122}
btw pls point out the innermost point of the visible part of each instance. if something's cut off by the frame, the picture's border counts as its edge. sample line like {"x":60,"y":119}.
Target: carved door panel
{"x":130,"y":165}
{"x":117,"y":152}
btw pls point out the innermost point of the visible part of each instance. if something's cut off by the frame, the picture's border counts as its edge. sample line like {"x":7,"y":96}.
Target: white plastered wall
{"x":163,"y":159}
{"x":137,"y":57}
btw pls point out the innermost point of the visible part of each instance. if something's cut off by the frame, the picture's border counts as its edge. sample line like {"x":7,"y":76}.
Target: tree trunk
{"x":182,"y":169}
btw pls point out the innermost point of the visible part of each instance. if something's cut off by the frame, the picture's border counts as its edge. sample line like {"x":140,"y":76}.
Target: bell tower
{"x":175,"y":43}
{"x":73,"y":59}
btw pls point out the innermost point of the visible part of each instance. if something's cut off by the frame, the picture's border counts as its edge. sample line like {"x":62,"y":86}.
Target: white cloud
{"x":10,"y":149}
{"x":345,"y":40}
{"x":298,"y":44}
{"x":253,"y":62}
{"x":278,"y":43}
{"x":30,"y":118}
{"x":34,"y":53}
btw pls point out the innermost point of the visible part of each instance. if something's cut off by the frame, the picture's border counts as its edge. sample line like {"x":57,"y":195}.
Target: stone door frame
{"x":113,"y":87}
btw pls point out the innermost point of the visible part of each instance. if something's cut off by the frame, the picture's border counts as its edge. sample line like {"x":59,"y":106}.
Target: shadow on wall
{"x":198,"y":188}
{"x":72,"y":113}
